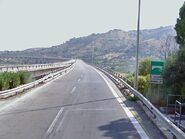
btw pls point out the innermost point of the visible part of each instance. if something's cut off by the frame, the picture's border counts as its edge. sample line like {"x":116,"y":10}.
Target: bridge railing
{"x":19,"y":89}
{"x":170,"y":126}
{"x":33,"y":67}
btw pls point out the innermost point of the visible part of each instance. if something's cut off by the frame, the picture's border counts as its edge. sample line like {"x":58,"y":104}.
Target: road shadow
{"x":56,"y":107}
{"x":119,"y":129}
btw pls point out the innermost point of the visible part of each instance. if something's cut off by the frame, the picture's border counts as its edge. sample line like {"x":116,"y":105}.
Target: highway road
{"x":83,"y":104}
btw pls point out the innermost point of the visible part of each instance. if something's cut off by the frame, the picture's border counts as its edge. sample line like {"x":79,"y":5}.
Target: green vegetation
{"x":132,"y":98}
{"x":143,"y":84}
{"x":25,"y":77}
{"x":174,"y":75}
{"x":1,"y":83}
{"x":174,"y":71}
{"x":143,"y":78}
{"x":144,"y":67}
{"x":9,"y":80}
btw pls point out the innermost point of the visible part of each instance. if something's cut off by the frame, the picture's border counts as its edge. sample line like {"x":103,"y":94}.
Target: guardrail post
{"x":174,"y":137}
{"x":180,"y":114}
{"x":174,"y":130}
{"x":175,"y":112}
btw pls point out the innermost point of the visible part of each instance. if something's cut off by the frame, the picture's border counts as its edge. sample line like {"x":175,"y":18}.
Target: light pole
{"x":137,"y":47}
{"x":92,"y":58}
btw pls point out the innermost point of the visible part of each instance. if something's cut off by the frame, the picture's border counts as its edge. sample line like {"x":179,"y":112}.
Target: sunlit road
{"x":79,"y":105}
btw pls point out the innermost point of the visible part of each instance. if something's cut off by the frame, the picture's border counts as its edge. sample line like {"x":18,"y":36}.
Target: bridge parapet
{"x":47,"y":78}
{"x":34,"y":67}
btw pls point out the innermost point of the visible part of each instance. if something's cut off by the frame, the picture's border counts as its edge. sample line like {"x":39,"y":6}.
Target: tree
{"x":174,"y":75}
{"x":168,"y":47}
{"x":144,"y":67}
{"x":180,"y":26}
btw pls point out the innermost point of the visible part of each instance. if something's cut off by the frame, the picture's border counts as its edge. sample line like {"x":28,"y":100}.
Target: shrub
{"x":9,"y":80}
{"x":144,"y":67}
{"x":130,"y":80}
{"x":143,"y":84}
{"x":183,"y":89}
{"x":5,"y":79}
{"x":132,"y":98}
{"x":13,"y":80}
{"x":25,"y":77}
{"x":1,"y":82}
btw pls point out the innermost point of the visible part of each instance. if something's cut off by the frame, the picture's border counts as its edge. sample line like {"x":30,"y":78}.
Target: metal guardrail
{"x":19,"y":89}
{"x":177,"y":103}
{"x":177,"y":132}
{"x":178,"y":112}
{"x":33,"y":67}
{"x":121,"y":76}
{"x":171,"y":97}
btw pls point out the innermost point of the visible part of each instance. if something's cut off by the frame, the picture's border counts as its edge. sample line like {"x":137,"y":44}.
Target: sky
{"x":43,"y":23}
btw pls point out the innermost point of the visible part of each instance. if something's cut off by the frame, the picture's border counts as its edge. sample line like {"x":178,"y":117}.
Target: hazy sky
{"x":43,"y":23}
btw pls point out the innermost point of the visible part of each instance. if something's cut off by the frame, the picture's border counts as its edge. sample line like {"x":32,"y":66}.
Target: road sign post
{"x":156,"y":71}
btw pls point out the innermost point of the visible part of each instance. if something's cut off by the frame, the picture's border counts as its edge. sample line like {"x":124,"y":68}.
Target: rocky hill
{"x":115,"y":48}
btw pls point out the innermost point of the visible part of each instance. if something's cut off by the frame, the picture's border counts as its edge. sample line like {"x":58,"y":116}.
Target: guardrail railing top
{"x":33,"y":66}
{"x":166,"y":122}
{"x":21,"y":88}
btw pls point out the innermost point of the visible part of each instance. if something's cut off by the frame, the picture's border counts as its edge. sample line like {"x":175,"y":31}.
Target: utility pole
{"x":92,"y":56}
{"x":137,"y":47}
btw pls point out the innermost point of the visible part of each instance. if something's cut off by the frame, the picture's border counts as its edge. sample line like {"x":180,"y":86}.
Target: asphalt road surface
{"x":79,"y":105}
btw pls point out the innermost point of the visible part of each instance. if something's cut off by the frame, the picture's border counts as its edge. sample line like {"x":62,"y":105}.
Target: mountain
{"x":115,"y":48}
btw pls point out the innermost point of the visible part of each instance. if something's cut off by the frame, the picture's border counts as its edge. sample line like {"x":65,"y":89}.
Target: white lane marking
{"x":51,"y":127}
{"x":98,"y":109}
{"x":31,"y":92}
{"x":79,"y":80}
{"x":61,"y":122}
{"x":73,"y":90}
{"x":138,"y":127}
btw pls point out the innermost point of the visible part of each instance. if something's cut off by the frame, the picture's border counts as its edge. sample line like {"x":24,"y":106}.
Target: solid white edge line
{"x":138,"y":127}
{"x":51,"y":127}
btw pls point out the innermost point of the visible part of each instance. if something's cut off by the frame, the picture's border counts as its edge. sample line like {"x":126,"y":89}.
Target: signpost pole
{"x":158,"y":90}
{"x":156,"y":77}
{"x":150,"y":93}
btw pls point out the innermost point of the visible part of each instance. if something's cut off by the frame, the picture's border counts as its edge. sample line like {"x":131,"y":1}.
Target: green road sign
{"x":156,"y":67}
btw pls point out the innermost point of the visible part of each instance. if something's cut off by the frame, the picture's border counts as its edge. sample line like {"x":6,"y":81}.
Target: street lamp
{"x":92,"y":58}
{"x":137,"y":47}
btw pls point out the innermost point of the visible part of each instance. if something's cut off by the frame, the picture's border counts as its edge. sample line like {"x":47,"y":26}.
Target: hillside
{"x":115,"y":48}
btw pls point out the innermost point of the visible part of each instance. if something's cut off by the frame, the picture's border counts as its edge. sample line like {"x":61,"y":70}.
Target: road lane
{"x":79,"y":105}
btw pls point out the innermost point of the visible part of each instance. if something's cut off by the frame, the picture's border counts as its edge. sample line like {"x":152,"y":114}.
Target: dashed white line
{"x":73,"y":90}
{"x":51,"y":127}
{"x":31,"y":93}
{"x":79,"y":80}
{"x":61,"y":122}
